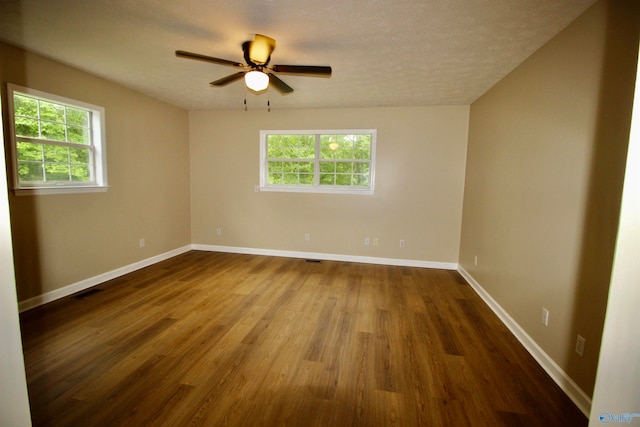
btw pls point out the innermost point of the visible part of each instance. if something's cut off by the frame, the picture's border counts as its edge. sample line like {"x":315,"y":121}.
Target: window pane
{"x":28,"y":171}
{"x":343,"y":179}
{"x":361,"y":180}
{"x":289,"y":151}
{"x":29,"y":151}
{"x":344,"y":167}
{"x":295,"y":146}
{"x":274,"y":148}
{"x":328,"y":146}
{"x":80,"y":173}
{"x":292,"y":173}
{"x":56,"y":154}
{"x":361,"y":167}
{"x":27,"y":127}
{"x":336,"y":146}
{"x":306,"y":167}
{"x":274,"y":167}
{"x":290,"y":166}
{"x":78,"y":135}
{"x":327,"y":179}
{"x":56,"y":172}
{"x":280,"y":143}
{"x":51,"y":111}
{"x":344,"y":152}
{"x":290,"y":178}
{"x":25,"y":106}
{"x":306,"y":178}
{"x":274,"y":140}
{"x":53,"y":131}
{"x":80,"y":156}
{"x":275,"y":178}
{"x":307,"y":148}
{"x":362,"y":147}
{"x":328,"y":167}
{"x":77,"y":117}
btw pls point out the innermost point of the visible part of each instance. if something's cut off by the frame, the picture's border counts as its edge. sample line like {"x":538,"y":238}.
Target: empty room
{"x":319,"y":213}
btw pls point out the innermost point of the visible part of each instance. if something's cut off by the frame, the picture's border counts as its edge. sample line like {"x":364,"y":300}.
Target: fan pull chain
{"x":245,"y":98}
{"x":268,"y":101}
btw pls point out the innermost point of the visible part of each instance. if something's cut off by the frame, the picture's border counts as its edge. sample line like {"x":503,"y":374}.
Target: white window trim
{"x":98,"y":141}
{"x":264,"y":186}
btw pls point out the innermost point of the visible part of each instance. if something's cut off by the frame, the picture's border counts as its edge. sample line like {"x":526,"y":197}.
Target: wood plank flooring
{"x":212,"y":339}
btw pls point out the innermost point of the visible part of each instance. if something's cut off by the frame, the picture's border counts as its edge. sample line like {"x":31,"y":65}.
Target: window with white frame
{"x":328,"y":161}
{"x":58,"y":144}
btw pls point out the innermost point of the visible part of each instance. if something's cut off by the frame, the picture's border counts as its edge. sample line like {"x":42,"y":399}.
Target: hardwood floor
{"x":224,"y":339}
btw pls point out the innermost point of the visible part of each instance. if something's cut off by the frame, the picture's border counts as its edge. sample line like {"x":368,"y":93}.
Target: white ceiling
{"x":383,"y":52}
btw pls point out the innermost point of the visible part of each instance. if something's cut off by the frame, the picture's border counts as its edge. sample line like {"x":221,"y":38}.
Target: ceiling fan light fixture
{"x":257,"y":54}
{"x":256,"y":80}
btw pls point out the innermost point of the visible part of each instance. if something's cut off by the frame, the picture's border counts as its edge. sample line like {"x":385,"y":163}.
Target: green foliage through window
{"x":329,"y":160}
{"x":53,"y":141}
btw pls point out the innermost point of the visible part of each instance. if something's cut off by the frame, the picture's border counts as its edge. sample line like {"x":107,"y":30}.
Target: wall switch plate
{"x":402,"y":243}
{"x":219,"y":231}
{"x":142,"y":243}
{"x":307,"y":237}
{"x":475,"y":260}
{"x":545,"y":317}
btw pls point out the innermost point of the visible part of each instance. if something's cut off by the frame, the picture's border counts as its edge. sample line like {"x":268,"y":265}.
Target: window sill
{"x":59,"y":190}
{"x":293,"y":189}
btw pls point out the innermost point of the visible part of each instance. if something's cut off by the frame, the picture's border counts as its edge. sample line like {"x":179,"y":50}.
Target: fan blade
{"x":280,"y":86}
{"x":229,"y":79}
{"x":260,"y":49}
{"x":199,"y":57}
{"x":303,"y":69}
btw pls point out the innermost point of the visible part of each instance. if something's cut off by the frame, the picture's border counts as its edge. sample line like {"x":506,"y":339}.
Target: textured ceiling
{"x":383,"y":52}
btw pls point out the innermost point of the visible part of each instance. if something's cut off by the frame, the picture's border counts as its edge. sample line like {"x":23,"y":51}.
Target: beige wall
{"x":418,"y":194}
{"x":544,"y":172}
{"x":62,"y":239}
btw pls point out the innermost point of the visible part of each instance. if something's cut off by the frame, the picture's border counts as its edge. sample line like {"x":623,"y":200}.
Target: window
{"x":57,"y":143}
{"x":340,"y":161}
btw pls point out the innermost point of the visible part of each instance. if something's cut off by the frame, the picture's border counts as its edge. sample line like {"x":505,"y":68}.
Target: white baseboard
{"x":96,"y":280}
{"x":328,"y":257}
{"x":571,"y":389}
{"x":101,"y":278}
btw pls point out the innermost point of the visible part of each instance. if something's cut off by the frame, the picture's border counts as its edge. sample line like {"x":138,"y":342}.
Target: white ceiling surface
{"x":383,"y":52}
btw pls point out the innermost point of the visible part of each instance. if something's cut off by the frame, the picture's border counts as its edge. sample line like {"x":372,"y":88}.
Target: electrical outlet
{"x":475,"y":260}
{"x":219,"y":231}
{"x":545,"y":316}
{"x":375,"y":241}
{"x":141,"y":243}
{"x":366,"y":241}
{"x":402,"y":243}
{"x":307,"y":237}
{"x":580,"y":343}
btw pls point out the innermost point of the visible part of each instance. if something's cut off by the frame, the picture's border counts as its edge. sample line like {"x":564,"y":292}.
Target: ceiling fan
{"x":257,"y":72}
